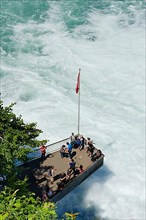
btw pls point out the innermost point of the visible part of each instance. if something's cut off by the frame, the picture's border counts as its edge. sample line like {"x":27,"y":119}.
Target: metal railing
{"x":51,"y":148}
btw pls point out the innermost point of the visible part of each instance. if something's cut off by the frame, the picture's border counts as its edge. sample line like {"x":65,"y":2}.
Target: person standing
{"x":43,"y":152}
{"x":72,"y":137}
{"x":51,"y":173}
{"x":82,"y":143}
{"x":69,"y":147}
{"x":72,"y":165}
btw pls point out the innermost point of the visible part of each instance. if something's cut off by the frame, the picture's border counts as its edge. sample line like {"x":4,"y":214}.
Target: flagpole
{"x":79,"y":103}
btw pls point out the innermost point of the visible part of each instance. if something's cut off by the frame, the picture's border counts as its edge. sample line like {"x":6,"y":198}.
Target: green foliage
{"x":24,"y":207}
{"x":15,"y":135}
{"x":71,"y":216}
{"x":13,"y":206}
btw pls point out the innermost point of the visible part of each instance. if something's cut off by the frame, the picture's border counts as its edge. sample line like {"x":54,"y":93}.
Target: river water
{"x":43,"y":44}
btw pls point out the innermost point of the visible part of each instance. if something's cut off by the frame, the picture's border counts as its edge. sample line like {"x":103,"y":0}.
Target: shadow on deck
{"x":39,"y":179}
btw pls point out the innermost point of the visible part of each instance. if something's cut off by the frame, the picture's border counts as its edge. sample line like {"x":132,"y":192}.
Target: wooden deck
{"x":38,"y":171}
{"x":62,"y":164}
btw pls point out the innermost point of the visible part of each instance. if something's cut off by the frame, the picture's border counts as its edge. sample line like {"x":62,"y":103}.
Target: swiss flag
{"x":78,"y":83}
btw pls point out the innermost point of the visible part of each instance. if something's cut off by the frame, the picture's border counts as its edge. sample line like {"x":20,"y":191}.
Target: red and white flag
{"x":78,"y":83}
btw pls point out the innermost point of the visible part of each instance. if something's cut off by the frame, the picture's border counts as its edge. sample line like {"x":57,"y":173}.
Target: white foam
{"x":110,"y":53}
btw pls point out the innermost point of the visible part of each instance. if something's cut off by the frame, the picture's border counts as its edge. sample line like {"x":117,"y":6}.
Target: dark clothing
{"x":78,"y":141}
{"x":63,"y":178}
{"x":96,"y":155}
{"x":62,"y":175}
{"x":82,"y":143}
{"x":90,"y":149}
{"x":72,"y":164}
{"x":69,"y":172}
{"x":63,"y":153}
{"x":60,"y":185}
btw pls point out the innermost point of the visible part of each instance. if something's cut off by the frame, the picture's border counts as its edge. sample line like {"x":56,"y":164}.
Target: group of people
{"x":94,"y":153}
{"x":76,"y":142}
{"x":81,"y":143}
{"x":71,"y":172}
{"x":63,"y":177}
{"x":66,"y":151}
{"x":47,"y":194}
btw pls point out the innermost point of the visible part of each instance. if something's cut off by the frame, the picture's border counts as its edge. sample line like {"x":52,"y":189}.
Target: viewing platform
{"x":38,"y":171}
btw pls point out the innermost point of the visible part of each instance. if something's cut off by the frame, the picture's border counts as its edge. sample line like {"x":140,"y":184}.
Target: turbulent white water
{"x":110,"y":53}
